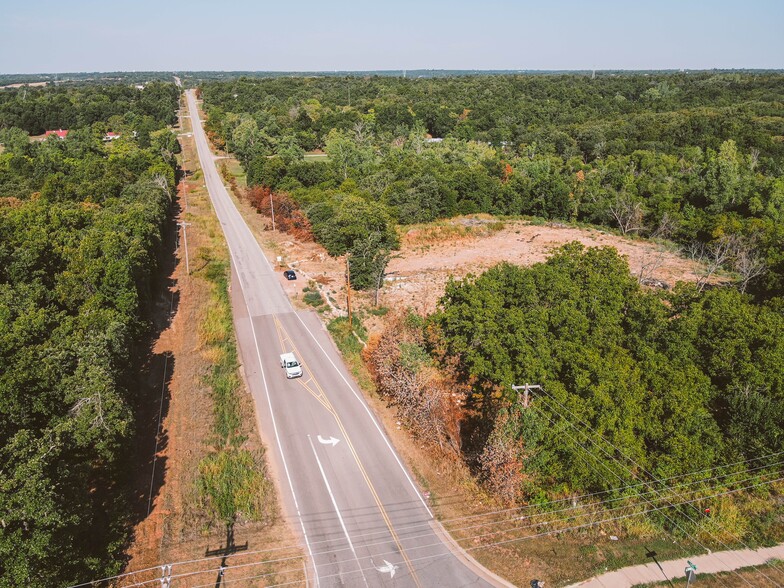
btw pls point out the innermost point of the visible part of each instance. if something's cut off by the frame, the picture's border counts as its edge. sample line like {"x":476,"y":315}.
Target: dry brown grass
{"x":451,"y":230}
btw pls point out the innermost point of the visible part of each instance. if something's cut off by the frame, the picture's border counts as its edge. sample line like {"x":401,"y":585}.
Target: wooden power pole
{"x":526,"y":388}
{"x":348,"y":290}
{"x":272,"y":211}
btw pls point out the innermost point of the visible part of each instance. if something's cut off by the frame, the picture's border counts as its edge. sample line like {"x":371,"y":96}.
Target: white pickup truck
{"x":291,"y":365}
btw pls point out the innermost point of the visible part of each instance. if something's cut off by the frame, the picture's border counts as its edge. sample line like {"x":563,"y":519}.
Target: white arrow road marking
{"x":337,"y":510}
{"x":387,"y":568}
{"x":331,"y":441}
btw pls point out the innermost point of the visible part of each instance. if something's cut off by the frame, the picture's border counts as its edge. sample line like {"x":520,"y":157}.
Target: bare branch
{"x":732,"y":252}
{"x":628,"y":214}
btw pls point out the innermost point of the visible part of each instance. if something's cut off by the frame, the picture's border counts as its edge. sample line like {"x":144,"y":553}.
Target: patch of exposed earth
{"x":427,"y":258}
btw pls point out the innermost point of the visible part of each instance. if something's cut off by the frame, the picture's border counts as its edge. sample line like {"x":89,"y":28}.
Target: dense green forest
{"x":81,"y":225}
{"x":677,"y":382}
{"x":643,"y":397}
{"x":693,"y":157}
{"x":119,"y":106}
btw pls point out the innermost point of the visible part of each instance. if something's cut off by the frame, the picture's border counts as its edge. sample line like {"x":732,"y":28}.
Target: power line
{"x":570,"y":519}
{"x":582,"y":497}
{"x":573,"y":508}
{"x":646,"y":472}
{"x":508,"y":511}
{"x":674,"y":523}
{"x":187,"y":562}
{"x":506,"y":541}
{"x":654,"y":508}
{"x":649,"y":474}
{"x":600,"y":492}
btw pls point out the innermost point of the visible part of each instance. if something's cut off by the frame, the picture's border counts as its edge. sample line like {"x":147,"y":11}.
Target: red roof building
{"x":59,"y":132}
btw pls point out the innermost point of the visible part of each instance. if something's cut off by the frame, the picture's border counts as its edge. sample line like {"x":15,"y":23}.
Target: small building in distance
{"x":61,"y":134}
{"x":111,"y":136}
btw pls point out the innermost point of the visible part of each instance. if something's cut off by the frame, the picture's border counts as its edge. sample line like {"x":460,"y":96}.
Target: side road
{"x":719,"y":561}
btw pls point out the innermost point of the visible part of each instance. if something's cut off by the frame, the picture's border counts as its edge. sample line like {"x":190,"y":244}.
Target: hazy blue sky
{"x":104,"y":35}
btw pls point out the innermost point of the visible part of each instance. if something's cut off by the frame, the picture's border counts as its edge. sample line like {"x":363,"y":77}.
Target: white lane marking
{"x":331,"y":441}
{"x":272,"y":413}
{"x":233,"y":218}
{"x":337,"y":510}
{"x":370,"y":414}
{"x":387,"y":568}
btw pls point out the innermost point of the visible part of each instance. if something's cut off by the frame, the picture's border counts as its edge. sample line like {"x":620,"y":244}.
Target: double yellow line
{"x":286,"y":344}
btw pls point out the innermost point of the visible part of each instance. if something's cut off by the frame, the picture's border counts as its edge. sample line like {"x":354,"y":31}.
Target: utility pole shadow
{"x":230,"y":549}
{"x":652,"y":554}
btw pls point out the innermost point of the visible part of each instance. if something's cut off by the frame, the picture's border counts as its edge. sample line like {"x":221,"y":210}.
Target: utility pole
{"x":526,"y":388}
{"x":183,"y":224}
{"x":272,"y":210}
{"x":348,"y":290}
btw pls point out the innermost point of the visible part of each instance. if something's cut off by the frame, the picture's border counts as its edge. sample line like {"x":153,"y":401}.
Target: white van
{"x":291,"y":365}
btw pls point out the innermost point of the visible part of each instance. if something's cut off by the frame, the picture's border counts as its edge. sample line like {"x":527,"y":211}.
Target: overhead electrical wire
{"x":508,"y":511}
{"x":631,"y":473}
{"x":472,"y":548}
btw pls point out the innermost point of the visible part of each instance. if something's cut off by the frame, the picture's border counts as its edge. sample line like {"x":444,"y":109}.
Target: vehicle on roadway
{"x":289,"y":362}
{"x":290,"y":275}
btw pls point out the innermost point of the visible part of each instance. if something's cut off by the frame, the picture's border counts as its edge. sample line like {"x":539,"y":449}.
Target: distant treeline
{"x":205,"y":76}
{"x":81,"y":229}
{"x":37,"y":109}
{"x":692,"y":157}
{"x":106,"y":78}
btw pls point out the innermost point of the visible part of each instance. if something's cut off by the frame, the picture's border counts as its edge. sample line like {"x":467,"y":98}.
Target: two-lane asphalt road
{"x":360,"y":515}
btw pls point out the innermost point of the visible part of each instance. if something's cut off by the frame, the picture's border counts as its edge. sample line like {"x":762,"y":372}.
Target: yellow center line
{"x":283,"y":337}
{"x":317,"y":395}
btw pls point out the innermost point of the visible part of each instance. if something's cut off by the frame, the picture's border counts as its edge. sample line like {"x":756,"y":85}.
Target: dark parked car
{"x":290,"y":275}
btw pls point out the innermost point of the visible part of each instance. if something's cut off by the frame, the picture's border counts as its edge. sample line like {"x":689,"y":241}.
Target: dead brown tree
{"x":711,"y":258}
{"x":749,"y":263}
{"x":424,"y":398}
{"x":501,"y":463}
{"x":735,"y":253}
{"x":651,"y":259}
{"x":628,"y":213}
